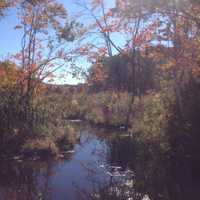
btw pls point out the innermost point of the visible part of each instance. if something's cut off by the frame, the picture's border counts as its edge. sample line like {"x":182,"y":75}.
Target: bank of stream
{"x":102,"y":163}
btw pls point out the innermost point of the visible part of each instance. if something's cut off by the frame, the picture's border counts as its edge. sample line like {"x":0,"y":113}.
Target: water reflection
{"x":25,"y":181}
{"x":159,"y":176}
{"x":97,"y":168}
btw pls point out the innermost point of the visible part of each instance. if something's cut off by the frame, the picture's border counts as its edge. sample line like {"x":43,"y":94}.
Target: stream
{"x":102,"y":162}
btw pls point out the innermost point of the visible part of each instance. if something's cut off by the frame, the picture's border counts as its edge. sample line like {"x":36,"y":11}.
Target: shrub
{"x":40,"y":146}
{"x":66,"y":140}
{"x":107,"y":108}
{"x":151,"y":120}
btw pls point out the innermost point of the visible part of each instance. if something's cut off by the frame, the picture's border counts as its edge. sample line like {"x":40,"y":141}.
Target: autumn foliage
{"x":138,"y":47}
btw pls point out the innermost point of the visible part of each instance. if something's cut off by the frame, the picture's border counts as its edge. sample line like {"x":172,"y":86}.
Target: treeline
{"x":149,"y":85}
{"x":28,"y":125}
{"x":117,"y":74}
{"x":159,"y":70}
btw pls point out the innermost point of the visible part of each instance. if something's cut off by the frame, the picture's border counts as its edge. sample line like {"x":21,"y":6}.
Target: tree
{"x":117,"y":74}
{"x":176,"y":37}
{"x":4,"y":5}
{"x":109,"y":22}
{"x":46,"y":29}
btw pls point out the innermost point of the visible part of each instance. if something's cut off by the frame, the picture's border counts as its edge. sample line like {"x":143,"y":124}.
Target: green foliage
{"x":40,"y":146}
{"x":151,"y":121}
{"x":32,"y":126}
{"x":108,"y":108}
{"x":66,"y":140}
{"x":119,"y":74}
{"x":49,"y":140}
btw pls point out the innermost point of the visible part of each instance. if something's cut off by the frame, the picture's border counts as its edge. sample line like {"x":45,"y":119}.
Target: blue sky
{"x":10,"y":38}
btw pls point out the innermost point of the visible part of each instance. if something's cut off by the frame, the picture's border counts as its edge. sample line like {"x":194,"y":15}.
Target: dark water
{"x":86,"y":169}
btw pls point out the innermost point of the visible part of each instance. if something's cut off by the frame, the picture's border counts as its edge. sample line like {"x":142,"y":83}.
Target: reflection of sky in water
{"x":60,"y":180}
{"x":77,"y":171}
